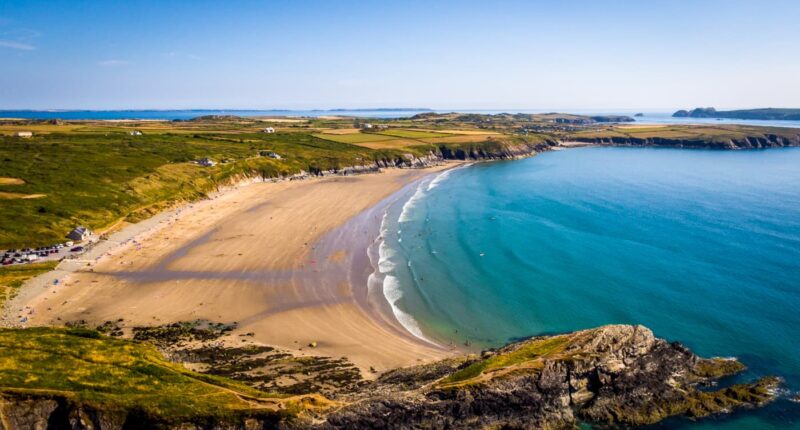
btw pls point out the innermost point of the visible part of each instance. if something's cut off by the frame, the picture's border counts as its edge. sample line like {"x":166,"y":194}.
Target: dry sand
{"x":254,"y":256}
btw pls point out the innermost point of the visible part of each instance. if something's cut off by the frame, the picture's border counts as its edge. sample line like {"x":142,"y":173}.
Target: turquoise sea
{"x":701,"y":246}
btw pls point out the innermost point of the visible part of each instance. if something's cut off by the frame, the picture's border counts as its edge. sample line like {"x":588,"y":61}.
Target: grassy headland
{"x":87,"y":368}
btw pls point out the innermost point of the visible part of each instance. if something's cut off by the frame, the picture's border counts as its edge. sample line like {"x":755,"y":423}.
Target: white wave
{"x":439,"y":178}
{"x":385,"y":254}
{"x":393,"y":294}
{"x":392,"y":291}
{"x":408,"y":207}
{"x":444,"y":175}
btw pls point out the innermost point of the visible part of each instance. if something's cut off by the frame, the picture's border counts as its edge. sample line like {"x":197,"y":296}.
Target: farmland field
{"x":412,"y":134}
{"x":355,"y":138}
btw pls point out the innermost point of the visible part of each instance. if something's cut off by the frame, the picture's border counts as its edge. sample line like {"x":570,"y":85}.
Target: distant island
{"x":762,"y":114}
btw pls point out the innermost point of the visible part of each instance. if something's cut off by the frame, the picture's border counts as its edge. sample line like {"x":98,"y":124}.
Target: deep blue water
{"x":703,"y":247}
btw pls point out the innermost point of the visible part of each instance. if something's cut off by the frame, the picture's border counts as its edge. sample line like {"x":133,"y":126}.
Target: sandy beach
{"x":286,"y":261}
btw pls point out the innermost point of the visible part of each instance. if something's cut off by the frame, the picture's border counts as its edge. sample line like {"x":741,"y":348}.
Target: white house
{"x":135,"y":133}
{"x":269,"y":130}
{"x":206,"y":162}
{"x":366,"y":125}
{"x":79,"y":233}
{"x":24,"y":134}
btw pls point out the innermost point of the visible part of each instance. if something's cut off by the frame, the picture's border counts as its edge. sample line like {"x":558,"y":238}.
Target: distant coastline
{"x":184,"y":114}
{"x":619,"y":115}
{"x":765,"y":114}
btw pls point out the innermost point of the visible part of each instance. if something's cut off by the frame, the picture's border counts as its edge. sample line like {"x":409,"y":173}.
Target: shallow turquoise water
{"x":703,"y":247}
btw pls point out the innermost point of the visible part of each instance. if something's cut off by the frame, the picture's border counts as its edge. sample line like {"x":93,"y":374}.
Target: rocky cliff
{"x":615,"y":375}
{"x":744,"y":142}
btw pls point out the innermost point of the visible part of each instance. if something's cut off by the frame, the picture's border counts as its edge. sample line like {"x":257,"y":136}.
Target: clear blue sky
{"x":558,"y":54}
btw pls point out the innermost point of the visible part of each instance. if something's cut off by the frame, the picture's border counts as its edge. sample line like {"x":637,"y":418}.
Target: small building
{"x":206,"y":162}
{"x":366,"y":125}
{"x":79,"y":233}
{"x":135,"y":133}
{"x":269,"y":130}
{"x":23,"y":134}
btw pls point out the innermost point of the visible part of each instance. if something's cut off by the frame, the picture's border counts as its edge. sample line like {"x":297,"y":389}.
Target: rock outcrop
{"x":613,"y":375}
{"x":616,"y":375}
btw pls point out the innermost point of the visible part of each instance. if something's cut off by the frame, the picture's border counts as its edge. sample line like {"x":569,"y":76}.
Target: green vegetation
{"x":96,"y":179}
{"x":12,"y":277}
{"x":527,"y":352}
{"x":354,"y":138}
{"x":721,"y":133}
{"x":88,"y":368}
{"x":413,"y":134}
{"x":759,"y":114}
{"x":717,"y":367}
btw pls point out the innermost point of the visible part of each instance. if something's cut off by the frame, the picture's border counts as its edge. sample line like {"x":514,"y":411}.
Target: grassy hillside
{"x":685,"y":132}
{"x":95,"y":179}
{"x":105,"y":373}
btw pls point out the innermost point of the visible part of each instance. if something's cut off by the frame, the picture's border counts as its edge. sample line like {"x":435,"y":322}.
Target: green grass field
{"x":107,"y":373}
{"x":354,"y":138}
{"x":706,"y":132}
{"x":96,"y":179}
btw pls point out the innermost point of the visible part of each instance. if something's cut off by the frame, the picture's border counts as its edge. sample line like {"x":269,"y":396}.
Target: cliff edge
{"x":616,"y":375}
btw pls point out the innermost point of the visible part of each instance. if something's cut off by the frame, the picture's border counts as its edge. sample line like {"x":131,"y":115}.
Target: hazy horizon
{"x":512,"y":55}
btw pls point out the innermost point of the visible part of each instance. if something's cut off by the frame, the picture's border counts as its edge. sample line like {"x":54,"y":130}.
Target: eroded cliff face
{"x":52,"y":412}
{"x":616,"y":375}
{"x":747,"y":142}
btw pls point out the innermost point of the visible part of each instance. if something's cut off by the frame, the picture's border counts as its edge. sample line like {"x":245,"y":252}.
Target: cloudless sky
{"x":559,"y":54}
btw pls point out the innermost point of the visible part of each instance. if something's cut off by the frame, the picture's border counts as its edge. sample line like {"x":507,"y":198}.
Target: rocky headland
{"x":617,"y":375}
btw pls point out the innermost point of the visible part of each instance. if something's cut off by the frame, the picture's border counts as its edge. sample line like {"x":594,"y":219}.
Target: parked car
{"x":77,"y":249}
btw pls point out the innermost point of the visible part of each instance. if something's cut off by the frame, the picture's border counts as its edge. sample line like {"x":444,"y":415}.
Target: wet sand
{"x":286,"y":261}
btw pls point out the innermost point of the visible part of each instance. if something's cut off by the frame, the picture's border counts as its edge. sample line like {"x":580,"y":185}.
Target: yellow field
{"x":9,"y":129}
{"x":481,"y":132}
{"x":390,"y":144}
{"x":11,"y":181}
{"x":461,"y":139}
{"x":339,"y":130}
{"x":10,"y":196}
{"x":354,"y":138}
